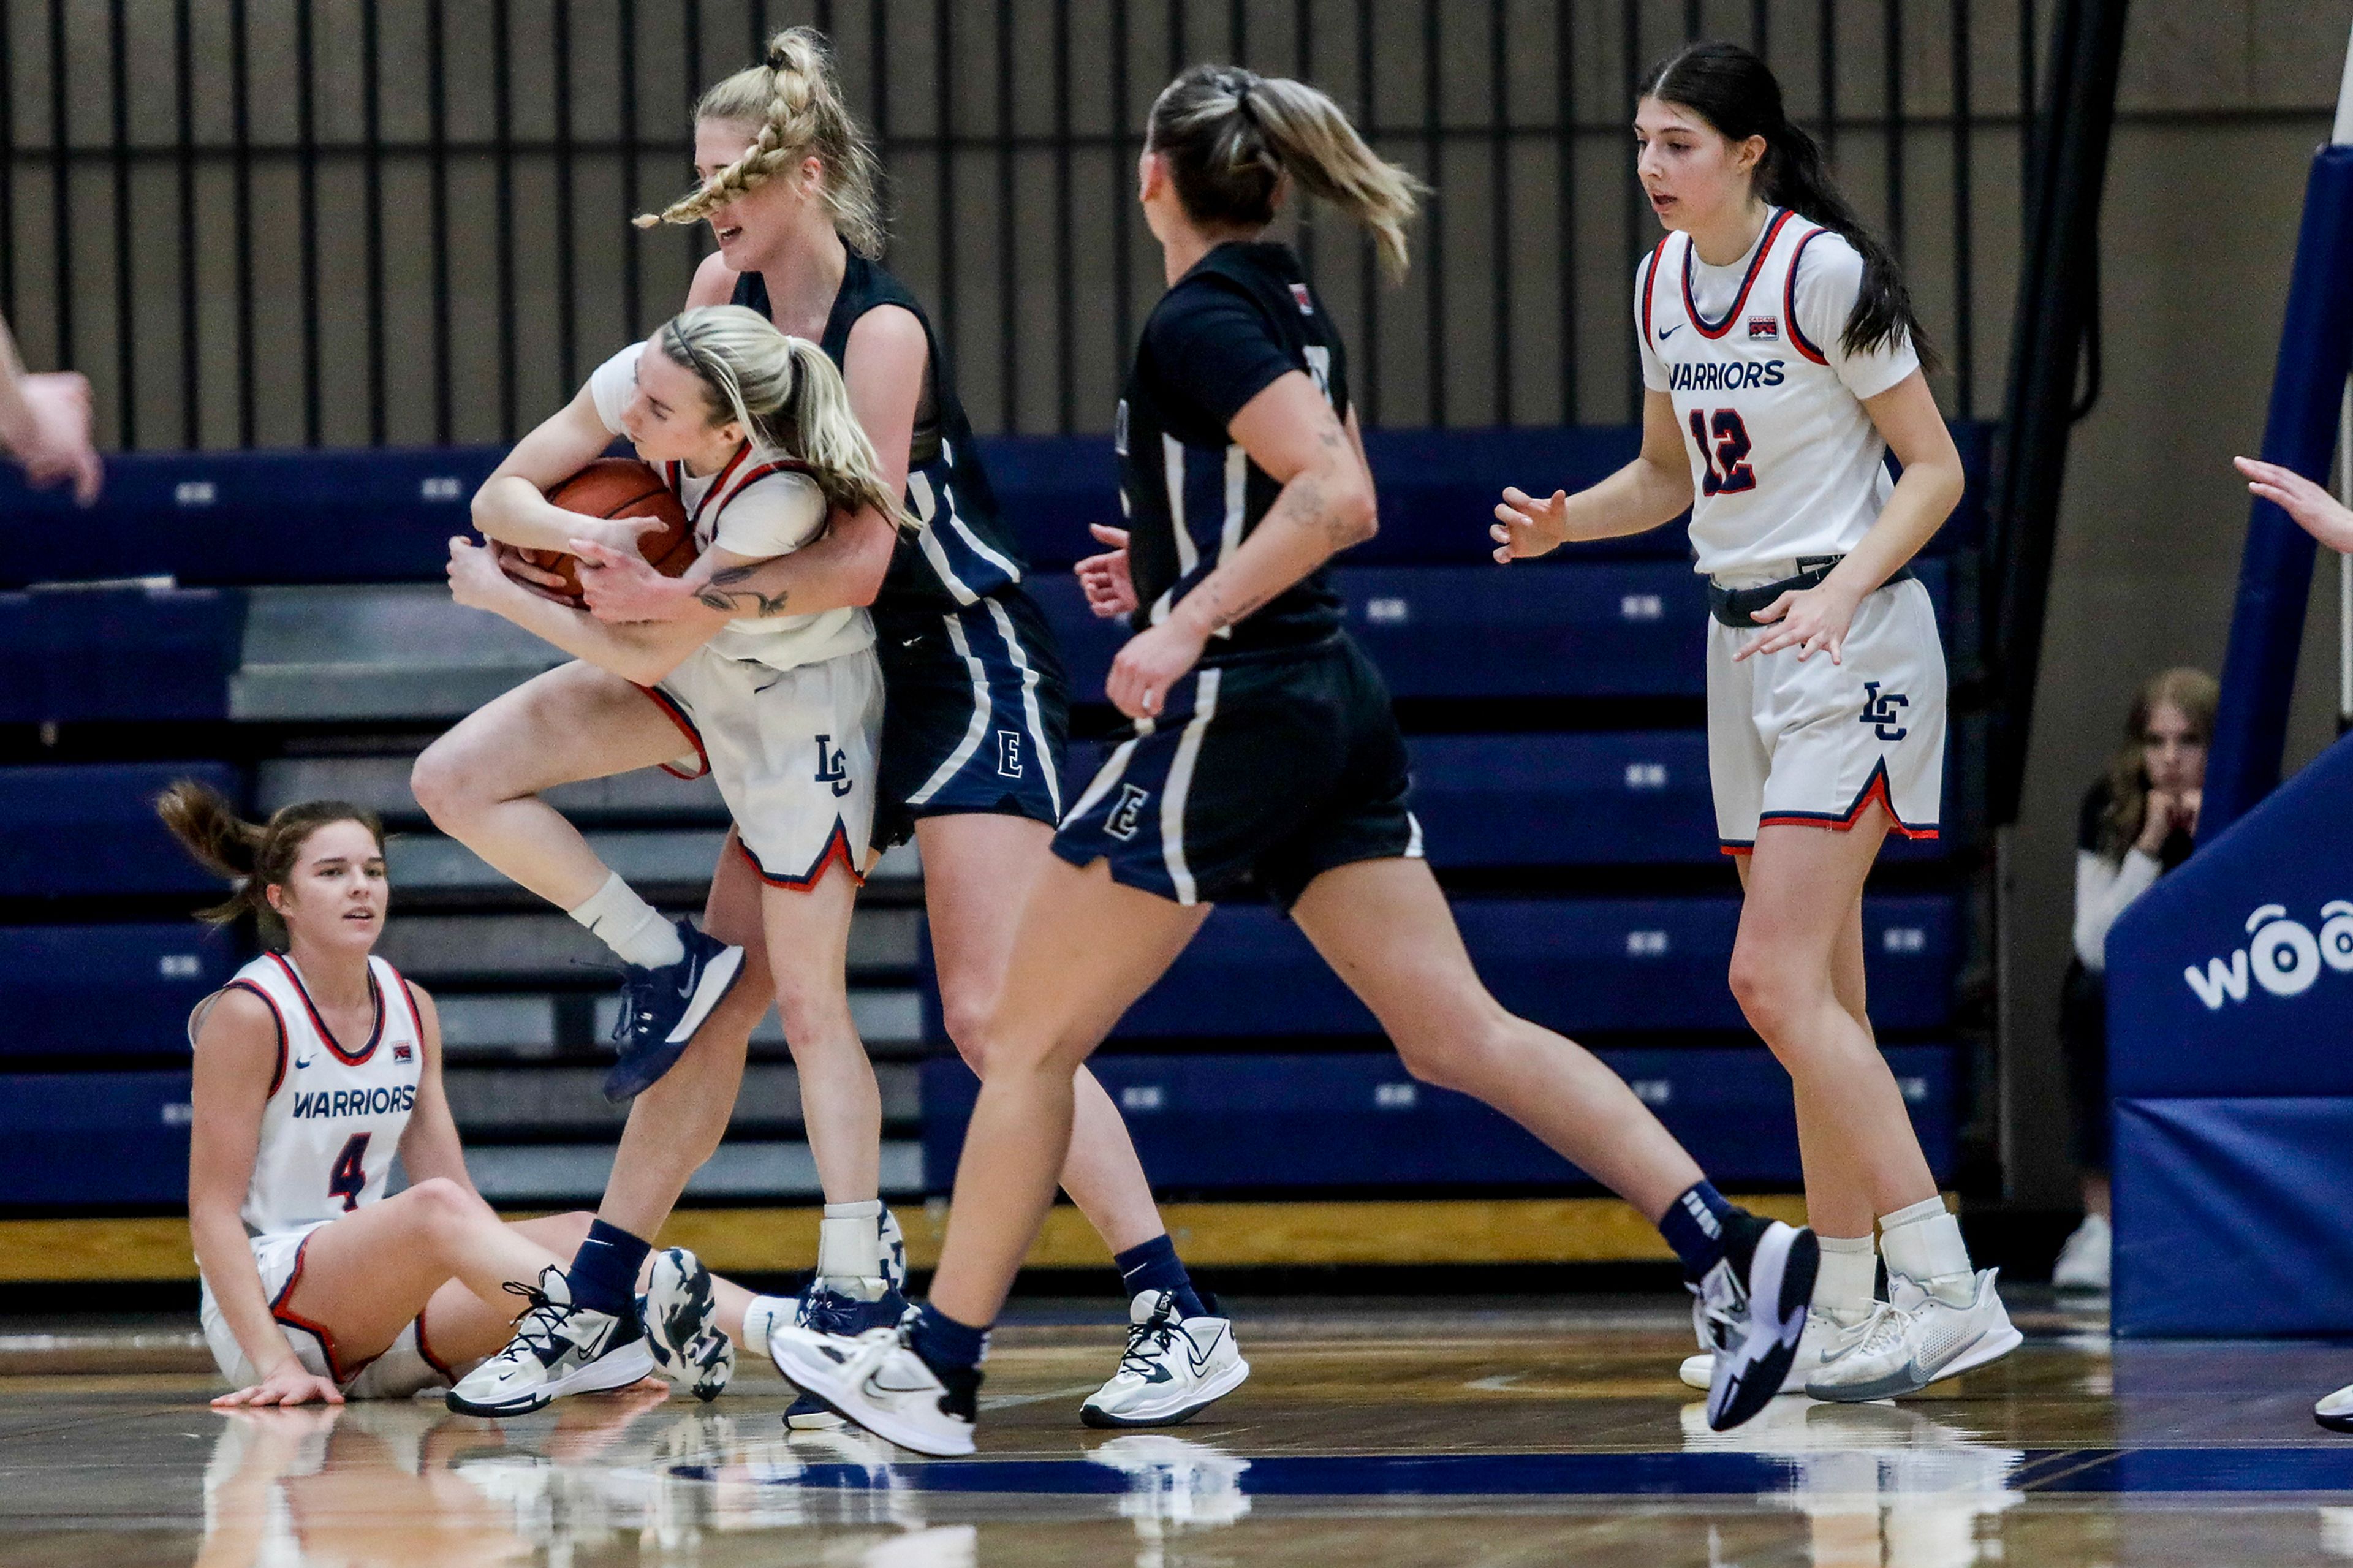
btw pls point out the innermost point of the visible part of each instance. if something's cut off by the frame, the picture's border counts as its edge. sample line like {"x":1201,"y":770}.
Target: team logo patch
{"x":1009,"y":753}
{"x":1127,"y":814}
{"x":1883,"y":712}
{"x":1765,"y":329}
{"x":1306,"y":305}
{"x":833,"y":765}
{"x":400,"y":1053}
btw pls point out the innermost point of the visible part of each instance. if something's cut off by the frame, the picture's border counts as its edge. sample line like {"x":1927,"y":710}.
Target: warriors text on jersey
{"x":1786,"y":462}
{"x":334,"y":1119}
{"x":963,"y":552}
{"x":1242,"y":318}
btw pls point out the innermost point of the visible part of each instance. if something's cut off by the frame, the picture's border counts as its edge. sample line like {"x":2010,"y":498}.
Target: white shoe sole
{"x":632,"y":1363}
{"x":1194,"y":1401}
{"x":1987,"y":1348}
{"x":718,"y":979}
{"x":814,"y":1374}
{"x":1699,"y":1371}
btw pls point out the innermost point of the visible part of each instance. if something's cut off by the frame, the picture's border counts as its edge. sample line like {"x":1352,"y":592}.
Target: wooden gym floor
{"x":1373,"y":1433}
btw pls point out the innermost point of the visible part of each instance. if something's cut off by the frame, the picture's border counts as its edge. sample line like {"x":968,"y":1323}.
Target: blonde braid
{"x":793,"y":99}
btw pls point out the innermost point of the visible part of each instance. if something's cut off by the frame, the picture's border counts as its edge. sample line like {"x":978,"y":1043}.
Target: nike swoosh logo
{"x":1161,"y":1374}
{"x":910,"y":642}
{"x":693,"y":976}
{"x":876,"y":1388}
{"x":1666,"y":333}
{"x":302,"y":1062}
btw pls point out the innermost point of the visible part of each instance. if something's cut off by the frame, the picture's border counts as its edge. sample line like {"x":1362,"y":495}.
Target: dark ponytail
{"x":252,"y":855}
{"x":1735,"y":91}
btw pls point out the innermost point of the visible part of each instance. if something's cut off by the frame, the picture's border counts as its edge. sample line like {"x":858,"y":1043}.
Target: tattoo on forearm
{"x":729,"y":591}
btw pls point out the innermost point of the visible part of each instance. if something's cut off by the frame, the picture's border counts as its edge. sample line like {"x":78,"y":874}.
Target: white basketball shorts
{"x":408,"y":1368}
{"x":1813,"y":743}
{"x":792,"y":753}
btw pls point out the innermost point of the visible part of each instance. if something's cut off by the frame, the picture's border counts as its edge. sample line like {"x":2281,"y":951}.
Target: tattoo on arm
{"x":729,"y":591}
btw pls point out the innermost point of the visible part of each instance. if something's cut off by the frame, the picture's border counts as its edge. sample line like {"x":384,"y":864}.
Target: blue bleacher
{"x":1581,"y":966}
{"x":90,"y":1140}
{"x":105,"y":991}
{"x":1213,"y":1123}
{"x":92,"y":828}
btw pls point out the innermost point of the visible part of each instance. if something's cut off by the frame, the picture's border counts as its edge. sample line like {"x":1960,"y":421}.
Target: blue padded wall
{"x":92,"y":828}
{"x":1579,"y":965}
{"x":1359,"y":1119}
{"x":2230,"y":1063}
{"x":93,"y":1140}
{"x":105,"y":991}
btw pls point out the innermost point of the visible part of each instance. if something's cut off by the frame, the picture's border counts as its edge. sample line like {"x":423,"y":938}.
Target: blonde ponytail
{"x":785,"y":394}
{"x":1231,"y":136}
{"x":793,"y":100}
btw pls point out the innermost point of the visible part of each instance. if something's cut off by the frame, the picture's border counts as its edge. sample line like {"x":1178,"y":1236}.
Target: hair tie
{"x":777,"y":60}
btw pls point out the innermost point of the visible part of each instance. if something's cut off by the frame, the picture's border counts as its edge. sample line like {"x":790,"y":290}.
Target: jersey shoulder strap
{"x":1651,"y":281}
{"x":400,"y":998}
{"x":1812,"y":232}
{"x":864,"y":285}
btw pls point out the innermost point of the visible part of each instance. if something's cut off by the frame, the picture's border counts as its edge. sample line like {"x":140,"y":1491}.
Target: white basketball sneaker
{"x":2336,"y":1412}
{"x":1914,"y":1339}
{"x":683,"y":1329}
{"x":878,"y":1381}
{"x":557,"y":1349}
{"x":1822,"y":1327}
{"x":2083,"y":1263}
{"x":1174,"y":1367}
{"x":1755,"y":1318}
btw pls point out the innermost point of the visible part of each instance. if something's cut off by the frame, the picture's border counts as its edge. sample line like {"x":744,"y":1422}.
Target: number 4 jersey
{"x":333,"y":1118}
{"x":1785,"y":461}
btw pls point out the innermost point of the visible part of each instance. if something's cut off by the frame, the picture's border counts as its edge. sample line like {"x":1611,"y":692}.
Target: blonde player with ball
{"x":1782,"y":365}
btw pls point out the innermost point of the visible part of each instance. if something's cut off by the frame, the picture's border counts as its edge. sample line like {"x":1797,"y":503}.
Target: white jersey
{"x":1785,"y":464}
{"x":332,"y":1122}
{"x":762,"y":504}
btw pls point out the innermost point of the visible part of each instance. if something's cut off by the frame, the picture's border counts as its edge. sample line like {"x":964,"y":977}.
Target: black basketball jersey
{"x":1241,"y":318}
{"x":963,"y":552}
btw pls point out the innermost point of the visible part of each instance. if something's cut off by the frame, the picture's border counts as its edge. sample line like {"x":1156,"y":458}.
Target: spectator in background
{"x":44,"y":424}
{"x":2137,"y":822}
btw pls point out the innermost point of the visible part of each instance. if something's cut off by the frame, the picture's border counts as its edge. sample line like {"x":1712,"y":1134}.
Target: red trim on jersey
{"x":276,"y":1018}
{"x":718,"y":486}
{"x":677,"y":715}
{"x":1874,"y":788}
{"x":375,"y":1036}
{"x":1789,"y":308}
{"x":416,"y":1014}
{"x":1650,"y":286}
{"x":837,"y":848}
{"x":1756,"y":264}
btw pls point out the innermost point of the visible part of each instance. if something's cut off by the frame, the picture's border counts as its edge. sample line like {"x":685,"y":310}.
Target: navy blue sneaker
{"x":828,"y":1311}
{"x":661,"y":1008}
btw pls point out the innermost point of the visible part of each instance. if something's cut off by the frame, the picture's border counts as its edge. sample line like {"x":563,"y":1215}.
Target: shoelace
{"x":1884,"y":1332}
{"x":1156,"y":1331}
{"x":535,"y":1329}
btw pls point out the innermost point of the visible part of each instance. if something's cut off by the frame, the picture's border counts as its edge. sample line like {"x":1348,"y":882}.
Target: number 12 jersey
{"x":1786,"y":463}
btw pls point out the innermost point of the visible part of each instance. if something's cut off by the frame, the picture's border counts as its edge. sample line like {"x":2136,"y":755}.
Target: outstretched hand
{"x":290,"y":1384}
{"x":1106,"y":579}
{"x":2316,"y":512}
{"x":1526,"y":527}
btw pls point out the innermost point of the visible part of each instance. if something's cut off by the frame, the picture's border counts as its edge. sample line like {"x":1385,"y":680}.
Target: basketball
{"x":621,"y":487}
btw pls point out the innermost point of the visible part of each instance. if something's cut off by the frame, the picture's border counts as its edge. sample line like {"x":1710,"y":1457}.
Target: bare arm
{"x":1817,"y":619}
{"x":237,"y":1056}
{"x":640,"y":652}
{"x":1326,"y":505}
{"x":512,"y":507}
{"x":883,"y":368}
{"x":714,"y":282}
{"x":1652,"y":490}
{"x":429,"y":1147}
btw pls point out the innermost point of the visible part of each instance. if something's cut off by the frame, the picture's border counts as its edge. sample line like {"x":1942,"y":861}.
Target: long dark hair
{"x":1735,"y":91}
{"x":252,"y":855}
{"x":1231,"y":135}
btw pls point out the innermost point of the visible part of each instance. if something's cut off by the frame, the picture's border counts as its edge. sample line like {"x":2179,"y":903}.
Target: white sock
{"x":764,"y":1313}
{"x":850,"y":1240}
{"x":631,"y":927}
{"x":1849,"y":1276}
{"x":1923,"y":1243}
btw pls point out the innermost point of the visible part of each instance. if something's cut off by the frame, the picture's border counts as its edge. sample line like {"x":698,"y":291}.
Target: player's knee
{"x":1762,"y":985}
{"x":442,"y":1205}
{"x":438,"y":781}
{"x":967,"y":1025}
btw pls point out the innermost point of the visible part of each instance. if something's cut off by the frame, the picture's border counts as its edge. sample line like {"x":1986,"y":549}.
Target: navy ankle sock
{"x":1153,"y":1266}
{"x":1693,"y":1226}
{"x":946,"y":1344}
{"x":604,"y":1273}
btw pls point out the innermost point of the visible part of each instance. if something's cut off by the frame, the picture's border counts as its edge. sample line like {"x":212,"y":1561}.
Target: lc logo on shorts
{"x":833,"y":765}
{"x":1884,"y":713}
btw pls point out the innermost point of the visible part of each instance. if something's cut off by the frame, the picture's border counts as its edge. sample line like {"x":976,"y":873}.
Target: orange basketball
{"x":621,"y":487}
